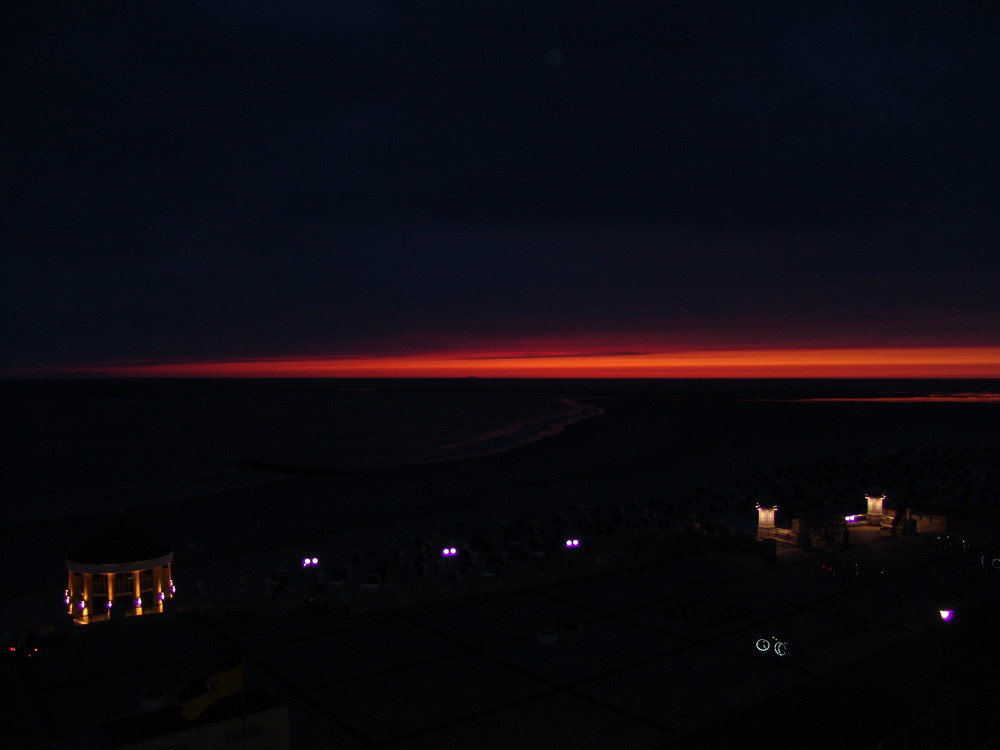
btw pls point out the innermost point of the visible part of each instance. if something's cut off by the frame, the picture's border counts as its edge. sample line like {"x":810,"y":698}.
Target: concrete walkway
{"x":660,"y":650}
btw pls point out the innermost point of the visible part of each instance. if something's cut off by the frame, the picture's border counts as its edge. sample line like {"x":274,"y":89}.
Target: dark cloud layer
{"x":232,"y":179}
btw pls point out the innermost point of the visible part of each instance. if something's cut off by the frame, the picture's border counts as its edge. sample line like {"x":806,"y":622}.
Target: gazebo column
{"x":111,"y":590}
{"x":138,"y":594}
{"x":159,"y":585}
{"x":87,"y":594}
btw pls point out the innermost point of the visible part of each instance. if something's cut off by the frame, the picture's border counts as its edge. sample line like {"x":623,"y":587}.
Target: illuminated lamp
{"x":448,"y":551}
{"x":162,"y":596}
{"x":82,"y":604}
{"x":315,"y":561}
{"x":945,"y":614}
{"x":570,"y":543}
{"x":138,"y":601}
{"x":107,"y":605}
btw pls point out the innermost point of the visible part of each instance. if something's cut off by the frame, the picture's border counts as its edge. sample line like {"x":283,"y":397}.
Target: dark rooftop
{"x":117,"y":545}
{"x":168,"y":720}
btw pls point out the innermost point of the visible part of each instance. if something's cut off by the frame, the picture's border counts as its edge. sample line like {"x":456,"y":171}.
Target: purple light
{"x":81,"y":604}
{"x":162,"y":596}
{"x":945,"y":614}
{"x":305,"y":562}
{"x":107,"y":605}
{"x":572,"y":543}
{"x":448,"y":551}
{"x":315,"y":561}
{"x":138,"y":601}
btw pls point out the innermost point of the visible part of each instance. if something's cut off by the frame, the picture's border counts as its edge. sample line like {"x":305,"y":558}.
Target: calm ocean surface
{"x":77,"y":446}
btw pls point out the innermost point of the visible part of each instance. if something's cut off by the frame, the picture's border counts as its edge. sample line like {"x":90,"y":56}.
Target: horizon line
{"x":735,"y":363}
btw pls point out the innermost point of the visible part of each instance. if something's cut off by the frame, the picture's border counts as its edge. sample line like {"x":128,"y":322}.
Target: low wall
{"x":928,"y":522}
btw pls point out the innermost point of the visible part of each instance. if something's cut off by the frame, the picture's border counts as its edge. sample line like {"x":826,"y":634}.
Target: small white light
{"x":945,"y":614}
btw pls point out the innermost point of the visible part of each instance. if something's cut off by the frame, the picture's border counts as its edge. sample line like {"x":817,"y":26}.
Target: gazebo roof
{"x":116,"y":546}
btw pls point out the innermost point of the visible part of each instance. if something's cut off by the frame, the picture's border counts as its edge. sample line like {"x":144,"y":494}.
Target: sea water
{"x":72,"y":447}
{"x":80,"y":446}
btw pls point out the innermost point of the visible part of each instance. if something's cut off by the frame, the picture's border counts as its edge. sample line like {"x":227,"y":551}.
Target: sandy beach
{"x":691,"y":457}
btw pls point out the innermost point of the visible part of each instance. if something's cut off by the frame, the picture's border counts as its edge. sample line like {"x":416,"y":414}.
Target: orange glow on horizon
{"x":926,"y":362}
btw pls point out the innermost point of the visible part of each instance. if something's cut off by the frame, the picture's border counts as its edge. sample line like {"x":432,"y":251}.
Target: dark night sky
{"x":246,"y":179}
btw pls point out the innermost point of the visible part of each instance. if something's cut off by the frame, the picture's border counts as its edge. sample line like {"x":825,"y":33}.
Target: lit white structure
{"x":117,"y":571}
{"x":875,"y":509}
{"x":765,"y":521}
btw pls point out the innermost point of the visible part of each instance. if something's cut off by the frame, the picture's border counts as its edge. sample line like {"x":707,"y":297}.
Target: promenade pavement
{"x":656,"y":646}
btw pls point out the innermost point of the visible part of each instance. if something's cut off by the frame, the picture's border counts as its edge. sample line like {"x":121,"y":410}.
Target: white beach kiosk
{"x":117,"y":572}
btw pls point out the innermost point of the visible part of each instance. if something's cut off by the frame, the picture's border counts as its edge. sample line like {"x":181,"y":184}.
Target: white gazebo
{"x":117,"y":571}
